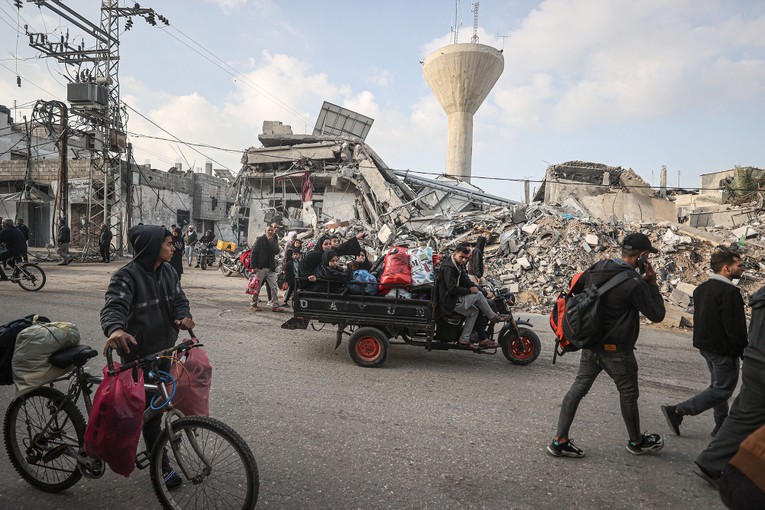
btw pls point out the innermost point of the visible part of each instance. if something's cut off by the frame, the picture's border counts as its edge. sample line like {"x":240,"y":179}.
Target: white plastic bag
{"x":421,"y":265}
{"x":34,"y":345}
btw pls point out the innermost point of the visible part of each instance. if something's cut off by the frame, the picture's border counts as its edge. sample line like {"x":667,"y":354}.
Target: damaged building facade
{"x":605,"y":192}
{"x":305,"y":181}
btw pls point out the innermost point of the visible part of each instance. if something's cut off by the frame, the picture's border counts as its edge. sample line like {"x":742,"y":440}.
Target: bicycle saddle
{"x":77,"y":355}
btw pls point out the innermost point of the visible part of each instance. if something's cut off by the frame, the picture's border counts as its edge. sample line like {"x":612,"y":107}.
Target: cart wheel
{"x":368,"y":347}
{"x":517,"y":355}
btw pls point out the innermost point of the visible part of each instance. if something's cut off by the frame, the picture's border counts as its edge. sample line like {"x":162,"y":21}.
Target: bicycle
{"x":44,"y":432}
{"x":28,"y":275}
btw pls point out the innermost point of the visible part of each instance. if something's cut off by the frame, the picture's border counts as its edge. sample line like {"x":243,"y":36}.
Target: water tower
{"x":461,"y":76}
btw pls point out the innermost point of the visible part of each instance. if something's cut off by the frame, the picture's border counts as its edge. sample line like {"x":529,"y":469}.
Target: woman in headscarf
{"x":313,"y":258}
{"x":328,"y":277}
{"x":475,"y":265}
{"x":179,"y":245}
{"x":363,"y":260}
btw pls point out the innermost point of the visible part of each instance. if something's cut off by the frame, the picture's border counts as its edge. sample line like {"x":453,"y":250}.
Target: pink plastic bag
{"x":193,"y":375}
{"x":116,"y":418}
{"x":253,"y":285}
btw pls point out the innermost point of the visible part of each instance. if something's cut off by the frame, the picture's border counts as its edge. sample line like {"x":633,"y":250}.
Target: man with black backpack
{"x":619,"y":312}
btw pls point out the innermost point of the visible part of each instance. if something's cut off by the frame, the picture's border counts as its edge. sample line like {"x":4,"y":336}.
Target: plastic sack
{"x":362,"y":282}
{"x":116,"y":419}
{"x":395,"y":269}
{"x":34,"y":345}
{"x":398,"y":293}
{"x":8,"y":333}
{"x":244,"y":258}
{"x":193,"y":377}
{"x":421,"y":266}
{"x":253,"y":285}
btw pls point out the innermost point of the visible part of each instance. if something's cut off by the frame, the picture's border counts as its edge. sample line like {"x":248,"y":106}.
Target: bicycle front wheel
{"x":207,"y":465}
{"x":37,"y":452}
{"x":31,"y":277}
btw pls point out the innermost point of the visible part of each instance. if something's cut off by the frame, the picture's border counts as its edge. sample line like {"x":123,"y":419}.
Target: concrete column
{"x":459,"y":145}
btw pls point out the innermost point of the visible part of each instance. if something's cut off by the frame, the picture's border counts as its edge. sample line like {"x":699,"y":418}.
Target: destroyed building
{"x":605,"y":192}
{"x":304,"y":181}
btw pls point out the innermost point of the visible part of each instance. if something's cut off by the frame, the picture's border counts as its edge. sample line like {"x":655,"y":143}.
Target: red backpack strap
{"x":574,"y":281}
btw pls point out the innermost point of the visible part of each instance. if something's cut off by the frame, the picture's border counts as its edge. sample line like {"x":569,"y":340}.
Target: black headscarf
{"x":313,"y":258}
{"x":331,"y":279}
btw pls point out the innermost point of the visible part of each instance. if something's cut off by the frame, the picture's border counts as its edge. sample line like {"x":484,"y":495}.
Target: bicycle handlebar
{"x":181,"y":347}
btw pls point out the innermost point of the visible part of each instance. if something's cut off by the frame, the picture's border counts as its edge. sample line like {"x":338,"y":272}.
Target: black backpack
{"x":575,"y":318}
{"x":8,"y":333}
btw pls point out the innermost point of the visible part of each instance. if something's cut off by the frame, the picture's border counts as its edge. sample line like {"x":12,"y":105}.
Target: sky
{"x":624,"y":83}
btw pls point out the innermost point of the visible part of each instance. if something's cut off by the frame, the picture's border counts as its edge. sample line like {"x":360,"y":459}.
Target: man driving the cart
{"x":458,"y":294}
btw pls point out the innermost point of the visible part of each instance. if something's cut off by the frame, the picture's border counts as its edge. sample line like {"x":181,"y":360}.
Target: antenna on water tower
{"x":474,"y":39}
{"x":456,"y":30}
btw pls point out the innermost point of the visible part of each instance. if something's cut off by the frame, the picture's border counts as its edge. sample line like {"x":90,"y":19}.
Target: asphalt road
{"x":428,"y":430}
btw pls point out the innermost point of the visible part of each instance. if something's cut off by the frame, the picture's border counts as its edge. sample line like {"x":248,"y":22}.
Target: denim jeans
{"x":724,"y":377}
{"x":623,"y":369}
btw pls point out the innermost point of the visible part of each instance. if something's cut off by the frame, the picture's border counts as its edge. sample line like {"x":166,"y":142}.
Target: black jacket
{"x":621,"y":307}
{"x":312,"y":259}
{"x":177,"y":261}
{"x":453,"y":282}
{"x":24,"y":230}
{"x":328,"y":279}
{"x":14,"y":241}
{"x":756,"y":348}
{"x":142,"y":301}
{"x":64,"y":235}
{"x":475,"y":265}
{"x":105,"y":237}
{"x":264,"y":253}
{"x":719,"y":321}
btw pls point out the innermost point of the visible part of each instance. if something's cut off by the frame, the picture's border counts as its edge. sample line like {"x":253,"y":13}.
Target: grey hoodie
{"x":142,"y":301}
{"x":756,"y":348}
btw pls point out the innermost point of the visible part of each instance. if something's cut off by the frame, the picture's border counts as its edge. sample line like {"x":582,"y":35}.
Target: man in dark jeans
{"x":747,"y":413}
{"x":719,"y":332}
{"x":620,"y":311}
{"x":104,"y":243}
{"x":144,"y":310}
{"x":64,"y":238}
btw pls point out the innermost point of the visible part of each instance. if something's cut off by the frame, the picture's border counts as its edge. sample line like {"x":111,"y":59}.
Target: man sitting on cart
{"x":458,"y":294}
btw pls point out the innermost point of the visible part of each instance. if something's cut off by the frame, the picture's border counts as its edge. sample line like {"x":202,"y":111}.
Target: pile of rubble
{"x":534,"y":250}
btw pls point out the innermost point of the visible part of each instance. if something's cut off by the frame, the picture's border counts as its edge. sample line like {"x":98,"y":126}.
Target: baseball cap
{"x":638,"y":241}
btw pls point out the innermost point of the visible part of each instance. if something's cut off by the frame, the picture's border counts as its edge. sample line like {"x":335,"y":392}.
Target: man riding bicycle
{"x":144,"y":310}
{"x":15,"y":245}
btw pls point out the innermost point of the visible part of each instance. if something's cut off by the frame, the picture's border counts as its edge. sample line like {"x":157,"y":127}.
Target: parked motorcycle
{"x":233,"y":263}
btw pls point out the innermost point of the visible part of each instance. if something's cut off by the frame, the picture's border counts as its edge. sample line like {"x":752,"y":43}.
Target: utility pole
{"x":95,"y":97}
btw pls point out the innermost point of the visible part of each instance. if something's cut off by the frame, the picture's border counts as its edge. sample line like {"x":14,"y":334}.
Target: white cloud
{"x":380,"y":77}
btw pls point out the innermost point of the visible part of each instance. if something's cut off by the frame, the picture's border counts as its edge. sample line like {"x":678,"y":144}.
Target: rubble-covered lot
{"x":535,"y":250}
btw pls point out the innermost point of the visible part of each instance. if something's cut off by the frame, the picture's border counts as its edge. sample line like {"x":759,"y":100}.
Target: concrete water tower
{"x":461,"y":76}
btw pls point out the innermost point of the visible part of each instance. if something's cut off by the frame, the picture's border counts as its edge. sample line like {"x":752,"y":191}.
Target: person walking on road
{"x":620,"y":310}
{"x":24,"y":230}
{"x":64,"y":239}
{"x":105,"y":243}
{"x":178,"y":251}
{"x":719,"y":333}
{"x":747,"y":413}
{"x":190,"y":240}
{"x":263,"y":262}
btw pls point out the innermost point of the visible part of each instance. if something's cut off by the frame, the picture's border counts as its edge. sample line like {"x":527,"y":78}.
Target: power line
{"x":175,"y":137}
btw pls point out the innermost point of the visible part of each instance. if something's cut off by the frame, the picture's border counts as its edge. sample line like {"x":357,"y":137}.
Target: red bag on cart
{"x":116,"y":419}
{"x":395,"y":270}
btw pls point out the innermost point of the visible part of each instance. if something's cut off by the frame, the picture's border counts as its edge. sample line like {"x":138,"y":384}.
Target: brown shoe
{"x":277,"y":309}
{"x":255,"y":309}
{"x":488,"y":344}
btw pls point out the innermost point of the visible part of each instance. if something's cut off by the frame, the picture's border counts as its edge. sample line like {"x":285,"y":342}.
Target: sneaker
{"x":649,"y":444}
{"x":673,"y":418}
{"x":567,"y":449}
{"x":171,"y":478}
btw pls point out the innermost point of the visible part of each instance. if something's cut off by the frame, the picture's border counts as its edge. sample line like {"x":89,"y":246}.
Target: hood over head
{"x":146,"y":241}
{"x":327,"y":256}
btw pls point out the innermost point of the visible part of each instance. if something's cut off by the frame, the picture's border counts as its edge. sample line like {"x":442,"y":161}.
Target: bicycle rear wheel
{"x":215,"y":466}
{"x":31,"y":277}
{"x":40,"y":457}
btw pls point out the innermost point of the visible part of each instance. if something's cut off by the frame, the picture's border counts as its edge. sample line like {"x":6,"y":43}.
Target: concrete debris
{"x":744,"y":233}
